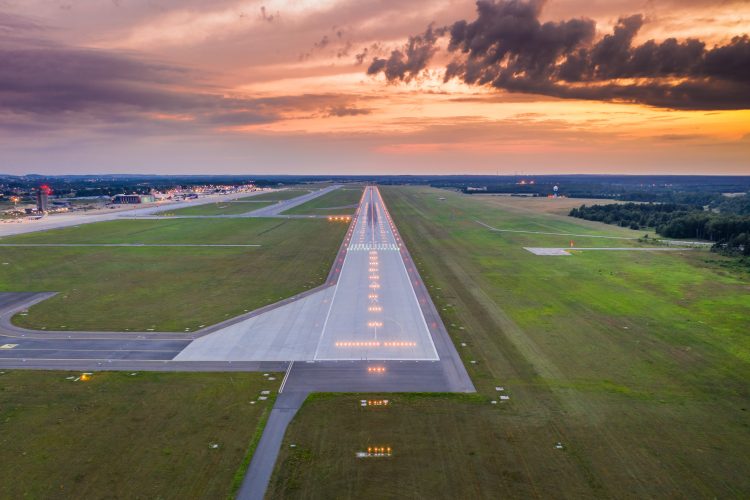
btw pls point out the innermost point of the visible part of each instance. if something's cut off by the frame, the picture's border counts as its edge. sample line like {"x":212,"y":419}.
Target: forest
{"x":727,"y":227}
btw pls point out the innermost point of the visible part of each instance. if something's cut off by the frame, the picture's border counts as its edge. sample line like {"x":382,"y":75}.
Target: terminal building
{"x":133,"y":199}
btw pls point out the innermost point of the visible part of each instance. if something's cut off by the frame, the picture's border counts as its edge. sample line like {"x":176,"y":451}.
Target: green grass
{"x":285,"y":194}
{"x":221,"y":208}
{"x":636,"y":362}
{"x":342,"y":201}
{"x":123,"y":436}
{"x":161,"y":288}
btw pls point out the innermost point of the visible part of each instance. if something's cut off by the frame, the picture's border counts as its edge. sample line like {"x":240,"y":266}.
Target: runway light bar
{"x":374,"y":277}
{"x":376,"y":369}
{"x":375,"y":452}
{"x":399,"y":344}
{"x":378,"y":402}
{"x":374,"y":308}
{"x":375,"y":324}
{"x":374,"y":285}
{"x":358,"y":344}
{"x":373,"y":296}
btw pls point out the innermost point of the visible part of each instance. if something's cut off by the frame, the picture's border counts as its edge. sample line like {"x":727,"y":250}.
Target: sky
{"x":375,"y":86}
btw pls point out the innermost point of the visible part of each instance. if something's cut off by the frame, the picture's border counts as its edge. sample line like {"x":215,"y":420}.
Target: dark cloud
{"x":406,"y":63}
{"x":509,"y":48}
{"x":339,"y":111}
{"x":323,"y":43}
{"x":268,"y":17}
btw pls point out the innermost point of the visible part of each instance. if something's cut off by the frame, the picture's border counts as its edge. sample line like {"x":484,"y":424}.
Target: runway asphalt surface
{"x":372,"y":312}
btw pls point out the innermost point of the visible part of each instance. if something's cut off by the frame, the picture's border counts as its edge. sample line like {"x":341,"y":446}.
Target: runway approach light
{"x":375,"y":324}
{"x":376,"y":369}
{"x":375,"y":402}
{"x":375,"y":452}
{"x":358,"y":344}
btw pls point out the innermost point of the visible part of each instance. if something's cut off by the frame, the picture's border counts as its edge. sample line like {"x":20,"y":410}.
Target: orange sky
{"x":275,"y":87}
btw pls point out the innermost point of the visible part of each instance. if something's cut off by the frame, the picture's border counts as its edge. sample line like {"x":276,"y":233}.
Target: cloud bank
{"x":507,"y":47}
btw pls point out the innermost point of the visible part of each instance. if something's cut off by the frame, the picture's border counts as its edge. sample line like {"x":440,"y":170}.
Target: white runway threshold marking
{"x":372,"y":313}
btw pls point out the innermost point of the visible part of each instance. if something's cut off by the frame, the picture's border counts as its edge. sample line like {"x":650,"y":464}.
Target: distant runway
{"x":560,"y":251}
{"x":274,"y":210}
{"x":551,"y":233}
{"x":277,"y":208}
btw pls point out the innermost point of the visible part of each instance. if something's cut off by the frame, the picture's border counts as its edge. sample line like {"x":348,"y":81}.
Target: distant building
{"x":42,"y":198}
{"x":133,"y":199}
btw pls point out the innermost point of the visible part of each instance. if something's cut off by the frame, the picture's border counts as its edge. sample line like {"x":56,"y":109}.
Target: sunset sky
{"x":375,"y":86}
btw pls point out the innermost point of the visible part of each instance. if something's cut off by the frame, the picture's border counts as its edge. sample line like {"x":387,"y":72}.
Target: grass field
{"x":342,"y":201}
{"x":637,"y":363}
{"x":221,"y":208}
{"x":285,"y":194}
{"x":162,"y":288}
{"x":145,"y":435}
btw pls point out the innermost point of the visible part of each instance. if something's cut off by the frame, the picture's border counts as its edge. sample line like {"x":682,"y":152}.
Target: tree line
{"x":729,"y":232}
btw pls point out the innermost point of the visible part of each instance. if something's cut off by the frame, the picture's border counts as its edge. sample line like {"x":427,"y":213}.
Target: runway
{"x":374,"y":311}
{"x":371,"y":313}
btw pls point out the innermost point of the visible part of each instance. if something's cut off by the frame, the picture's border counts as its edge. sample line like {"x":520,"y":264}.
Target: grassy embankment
{"x":636,"y":362}
{"x":220,"y":208}
{"x":238,"y":206}
{"x":166,"y":288}
{"x":123,"y":435}
{"x":281,"y":195}
{"x":342,"y":201}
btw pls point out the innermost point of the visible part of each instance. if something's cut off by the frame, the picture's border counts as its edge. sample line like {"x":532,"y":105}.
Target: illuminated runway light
{"x":378,"y":402}
{"x":399,"y":344}
{"x":374,"y":308}
{"x":376,"y":369}
{"x":373,"y":296}
{"x":374,"y":324}
{"x":358,"y":344}
{"x":375,"y":452}
{"x":374,"y":285}
{"x":374,"y":277}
